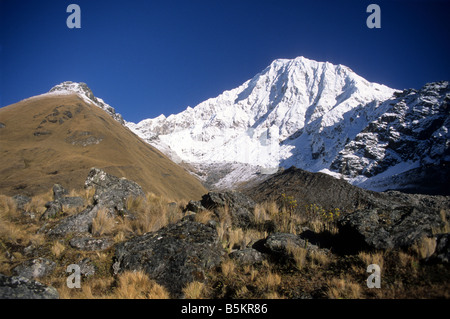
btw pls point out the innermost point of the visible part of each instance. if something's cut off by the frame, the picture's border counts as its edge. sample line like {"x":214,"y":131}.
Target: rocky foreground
{"x":227,"y":244}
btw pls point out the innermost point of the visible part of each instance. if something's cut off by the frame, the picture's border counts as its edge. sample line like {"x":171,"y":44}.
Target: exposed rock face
{"x":241,"y":207}
{"x":91,"y":244}
{"x":79,"y":223}
{"x":173,"y":256}
{"x":400,"y":227}
{"x":17,"y":287}
{"x":35,"y":268}
{"x":110,"y":191}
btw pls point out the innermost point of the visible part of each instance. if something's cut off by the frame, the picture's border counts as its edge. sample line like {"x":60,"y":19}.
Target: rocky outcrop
{"x":112,"y":192}
{"x":173,"y":256}
{"x":17,"y":287}
{"x":400,"y":227}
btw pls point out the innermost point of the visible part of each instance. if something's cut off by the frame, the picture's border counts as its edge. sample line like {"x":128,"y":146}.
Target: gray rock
{"x":21,"y":201}
{"x":79,"y":223}
{"x":35,"y":268}
{"x":279,"y":243}
{"x":71,"y":202}
{"x":247,"y":256}
{"x":399,"y":227}
{"x":111,"y":192}
{"x":53,"y":208}
{"x":2,"y":125}
{"x":240,"y":206}
{"x":17,"y":287}
{"x":59,"y":192}
{"x":91,"y":244}
{"x":86,"y":267}
{"x":173,"y":256}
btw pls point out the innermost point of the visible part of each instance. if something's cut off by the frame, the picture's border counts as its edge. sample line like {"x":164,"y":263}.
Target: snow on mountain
{"x":408,"y":132}
{"x":86,"y":94}
{"x":295,"y":112}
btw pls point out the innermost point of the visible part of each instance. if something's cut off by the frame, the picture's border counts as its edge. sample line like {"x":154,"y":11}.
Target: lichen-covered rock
{"x":247,"y":256}
{"x":91,"y":244}
{"x":17,"y":287}
{"x":173,"y":256}
{"x":112,"y":192}
{"x":35,"y":268}
{"x":79,"y":223}
{"x":280,"y":243}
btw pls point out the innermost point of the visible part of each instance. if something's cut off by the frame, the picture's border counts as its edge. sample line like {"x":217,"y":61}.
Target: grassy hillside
{"x":56,"y":139}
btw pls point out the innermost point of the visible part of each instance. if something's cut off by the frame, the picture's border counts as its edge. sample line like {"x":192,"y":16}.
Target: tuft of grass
{"x":194,"y":290}
{"x":343,"y":288}
{"x":57,"y":249}
{"x":103,"y":224}
{"x":424,"y":248}
{"x":137,"y":285}
{"x":203,"y":216}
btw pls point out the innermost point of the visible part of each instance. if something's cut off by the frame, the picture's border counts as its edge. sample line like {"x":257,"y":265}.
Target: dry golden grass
{"x":203,"y":216}
{"x":269,"y":281}
{"x":372,"y":258}
{"x":33,"y":162}
{"x":57,"y":249}
{"x":424,"y":248}
{"x":228,"y":267}
{"x":298,"y":254}
{"x":343,"y":288}
{"x":103,"y":223}
{"x":137,"y":285}
{"x":195,"y":290}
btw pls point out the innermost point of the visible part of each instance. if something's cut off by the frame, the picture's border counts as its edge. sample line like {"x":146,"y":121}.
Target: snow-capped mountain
{"x":295,"y":112}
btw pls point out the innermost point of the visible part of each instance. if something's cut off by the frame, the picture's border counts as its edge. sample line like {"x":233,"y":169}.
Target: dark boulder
{"x":240,"y":206}
{"x":442,"y":251}
{"x":173,"y":256}
{"x":17,"y":287}
{"x":400,"y":227}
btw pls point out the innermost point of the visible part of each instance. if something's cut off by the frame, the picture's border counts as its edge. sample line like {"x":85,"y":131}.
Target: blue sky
{"x":147,"y":57}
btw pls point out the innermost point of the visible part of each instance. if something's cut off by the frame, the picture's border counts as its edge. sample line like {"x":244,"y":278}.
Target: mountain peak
{"x":81,"y":88}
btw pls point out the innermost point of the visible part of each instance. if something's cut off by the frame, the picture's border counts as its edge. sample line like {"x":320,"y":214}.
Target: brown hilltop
{"x":52,"y":139}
